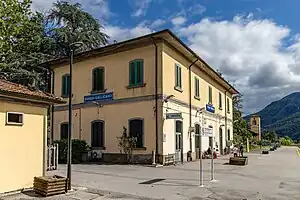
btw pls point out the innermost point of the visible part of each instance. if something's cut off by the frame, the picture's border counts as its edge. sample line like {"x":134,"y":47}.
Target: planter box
{"x":50,"y":185}
{"x":265,"y":152}
{"x":238,"y":161}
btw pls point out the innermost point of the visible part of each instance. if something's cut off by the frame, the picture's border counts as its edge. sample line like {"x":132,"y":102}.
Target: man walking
{"x":242,"y":150}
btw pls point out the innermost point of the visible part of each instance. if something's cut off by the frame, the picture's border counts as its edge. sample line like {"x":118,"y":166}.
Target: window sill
{"x":220,"y":108}
{"x":98,"y":91}
{"x":178,"y":89}
{"x":228,"y":112}
{"x":136,"y":86}
{"x":13,"y":124}
{"x":196,"y":97}
{"x":140,"y":148}
{"x":98,"y":148}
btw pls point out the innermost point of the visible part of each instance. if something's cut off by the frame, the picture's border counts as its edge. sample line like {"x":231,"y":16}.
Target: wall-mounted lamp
{"x":165,"y":99}
{"x":199,"y":110}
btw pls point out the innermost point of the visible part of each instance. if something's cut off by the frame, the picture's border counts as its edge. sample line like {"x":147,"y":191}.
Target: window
{"x":65,"y":85}
{"x":97,"y":135}
{"x":178,"y":136}
{"x":228,"y":106}
{"x":178,"y":83}
{"x":228,"y":136}
{"x":254,"y":122}
{"x":136,"y":73}
{"x":64,"y":130}
{"x":136,"y":129}
{"x":220,"y":100}
{"x":98,"y":79}
{"x":14,"y":118}
{"x":209,"y":95}
{"x":197,"y":89}
{"x":197,"y":136}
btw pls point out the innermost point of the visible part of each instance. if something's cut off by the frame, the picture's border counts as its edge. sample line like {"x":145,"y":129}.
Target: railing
{"x":52,"y":157}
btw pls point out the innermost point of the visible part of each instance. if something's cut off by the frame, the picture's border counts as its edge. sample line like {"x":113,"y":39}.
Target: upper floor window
{"x":14,"y":118}
{"x":98,"y":79}
{"x":220,"y":100}
{"x":64,"y":130}
{"x":197,"y":88}
{"x":209,"y":95}
{"x":178,"y":82}
{"x":254,"y":122}
{"x":97,"y":134}
{"x":65,"y":90}
{"x":228,"y":107}
{"x":136,"y":73}
{"x":228,"y":134}
{"x":136,"y":129}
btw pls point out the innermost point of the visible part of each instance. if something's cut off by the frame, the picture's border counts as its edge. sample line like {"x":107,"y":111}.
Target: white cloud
{"x":121,"y":33}
{"x":157,"y":23}
{"x":177,"y":21}
{"x":141,"y":7}
{"x":251,"y":53}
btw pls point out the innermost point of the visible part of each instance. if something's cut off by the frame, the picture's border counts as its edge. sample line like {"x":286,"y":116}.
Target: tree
{"x":240,"y":131}
{"x":286,"y":141}
{"x":270,"y":136}
{"x":126,"y":143}
{"x":69,"y":23}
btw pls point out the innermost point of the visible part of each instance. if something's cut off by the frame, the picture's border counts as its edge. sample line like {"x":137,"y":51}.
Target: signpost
{"x":98,"y":97}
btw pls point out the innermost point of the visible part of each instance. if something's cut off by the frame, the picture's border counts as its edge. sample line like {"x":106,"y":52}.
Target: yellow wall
{"x":116,"y":74}
{"x":170,"y":58}
{"x":115,"y":117}
{"x":21,"y":147}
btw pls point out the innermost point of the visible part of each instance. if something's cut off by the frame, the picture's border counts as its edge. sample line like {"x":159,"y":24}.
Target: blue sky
{"x":254,"y":43}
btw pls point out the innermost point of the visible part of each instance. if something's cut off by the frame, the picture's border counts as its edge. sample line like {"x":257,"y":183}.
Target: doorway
{"x":178,"y":140}
{"x":221,"y":141}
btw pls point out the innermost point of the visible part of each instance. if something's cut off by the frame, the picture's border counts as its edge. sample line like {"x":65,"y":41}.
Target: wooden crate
{"x":238,"y":161}
{"x":50,"y":185}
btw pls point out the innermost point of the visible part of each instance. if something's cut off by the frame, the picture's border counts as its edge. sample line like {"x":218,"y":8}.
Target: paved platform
{"x":267,"y":177}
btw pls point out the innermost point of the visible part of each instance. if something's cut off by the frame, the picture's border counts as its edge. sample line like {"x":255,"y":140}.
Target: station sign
{"x":210,"y":108}
{"x":174,"y":116}
{"x":98,"y":97}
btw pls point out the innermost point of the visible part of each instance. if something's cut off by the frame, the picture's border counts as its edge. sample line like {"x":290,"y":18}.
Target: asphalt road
{"x":266,"y":177}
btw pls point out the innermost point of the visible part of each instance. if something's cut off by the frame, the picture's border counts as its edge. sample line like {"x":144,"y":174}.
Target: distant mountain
{"x":283,"y":116}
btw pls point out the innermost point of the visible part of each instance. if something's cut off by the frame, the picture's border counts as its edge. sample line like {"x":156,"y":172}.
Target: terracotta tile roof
{"x":14,"y":89}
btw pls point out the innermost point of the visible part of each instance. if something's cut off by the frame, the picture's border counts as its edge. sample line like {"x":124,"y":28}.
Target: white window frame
{"x":14,"y":123}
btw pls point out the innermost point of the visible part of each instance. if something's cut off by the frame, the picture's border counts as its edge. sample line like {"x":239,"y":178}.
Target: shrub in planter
{"x":79,"y":147}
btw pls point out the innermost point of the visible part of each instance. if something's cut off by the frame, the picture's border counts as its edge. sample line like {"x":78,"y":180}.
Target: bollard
{"x":153,"y":157}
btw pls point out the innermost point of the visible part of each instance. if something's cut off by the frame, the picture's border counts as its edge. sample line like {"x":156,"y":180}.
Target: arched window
{"x":64,"y":129}
{"x":97,"y":134}
{"x":65,"y":85}
{"x":98,"y":79}
{"x":136,"y":72}
{"x":136,"y":129}
{"x":197,"y":136}
{"x":254,"y":122}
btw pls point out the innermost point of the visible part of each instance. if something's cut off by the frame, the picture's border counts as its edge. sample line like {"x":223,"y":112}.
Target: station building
{"x":156,"y":87}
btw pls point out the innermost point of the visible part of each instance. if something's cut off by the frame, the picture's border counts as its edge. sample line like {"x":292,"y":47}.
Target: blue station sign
{"x":210,"y":108}
{"x":98,"y":97}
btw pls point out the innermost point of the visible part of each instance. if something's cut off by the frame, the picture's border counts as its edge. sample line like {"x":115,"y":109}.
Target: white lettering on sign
{"x":207,"y":132}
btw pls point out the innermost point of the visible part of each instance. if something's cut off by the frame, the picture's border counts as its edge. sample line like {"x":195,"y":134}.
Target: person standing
{"x":242,"y":150}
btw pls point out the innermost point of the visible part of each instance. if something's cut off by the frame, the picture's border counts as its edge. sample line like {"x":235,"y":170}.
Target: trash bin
{"x":189,"y":156}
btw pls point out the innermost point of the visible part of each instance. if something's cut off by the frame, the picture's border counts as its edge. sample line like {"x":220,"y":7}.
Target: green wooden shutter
{"x":132,"y":73}
{"x":65,"y":85}
{"x":139,"y":72}
{"x":101,"y":79}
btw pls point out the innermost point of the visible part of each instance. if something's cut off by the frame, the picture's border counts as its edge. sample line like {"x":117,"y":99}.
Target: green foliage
{"x":240,"y":131}
{"x":126,"y":143}
{"x":79,"y":147}
{"x":29,"y":38}
{"x":270,"y":136}
{"x":264,"y":142}
{"x":286,"y":141}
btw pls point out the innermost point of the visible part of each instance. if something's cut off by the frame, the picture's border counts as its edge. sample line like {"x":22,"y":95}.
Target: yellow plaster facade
{"x":130,"y":103}
{"x":22,"y":147}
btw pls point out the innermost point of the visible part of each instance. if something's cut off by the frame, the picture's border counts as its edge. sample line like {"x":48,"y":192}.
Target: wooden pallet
{"x":238,"y":161}
{"x":50,"y":185}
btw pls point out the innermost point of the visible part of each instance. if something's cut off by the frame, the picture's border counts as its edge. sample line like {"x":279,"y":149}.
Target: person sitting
{"x":235,"y":151}
{"x":209,"y":151}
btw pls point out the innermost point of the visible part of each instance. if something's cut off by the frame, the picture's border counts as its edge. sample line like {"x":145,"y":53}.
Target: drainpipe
{"x":226,"y":131}
{"x":156,"y":97}
{"x":190,"y":101}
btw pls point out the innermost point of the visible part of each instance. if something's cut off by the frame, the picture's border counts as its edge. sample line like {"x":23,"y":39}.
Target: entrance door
{"x":178,"y":140}
{"x":221,"y":141}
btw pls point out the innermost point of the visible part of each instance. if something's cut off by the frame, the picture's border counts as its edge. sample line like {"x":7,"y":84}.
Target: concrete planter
{"x":50,"y":185}
{"x":238,"y":161}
